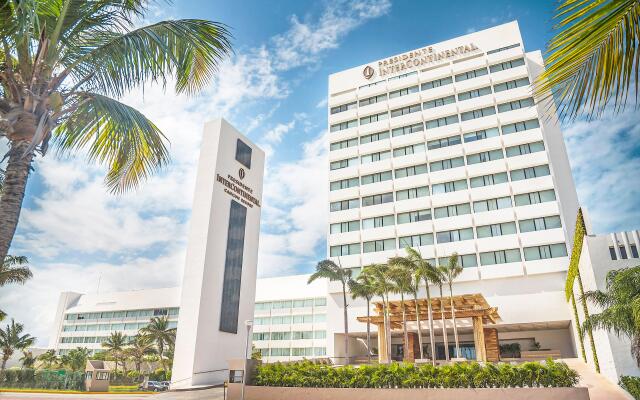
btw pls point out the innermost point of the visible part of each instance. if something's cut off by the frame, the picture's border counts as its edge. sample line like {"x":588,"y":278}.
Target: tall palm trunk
{"x":405,"y":347}
{"x":585,"y":310}
{"x":432,"y":339}
{"x":161,"y":354}
{"x":444,"y":327}
{"x":346,"y":323}
{"x":415,"y":300}
{"x":368,"y":330}
{"x":15,"y":182}
{"x":453,"y":316}
{"x":388,"y":330}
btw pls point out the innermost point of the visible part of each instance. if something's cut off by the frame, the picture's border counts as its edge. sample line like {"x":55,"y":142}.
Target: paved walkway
{"x":69,"y":396}
{"x":600,"y":388}
{"x":208,"y":394}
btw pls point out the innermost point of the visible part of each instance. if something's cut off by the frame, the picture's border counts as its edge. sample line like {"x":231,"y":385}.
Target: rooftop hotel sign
{"x":417,"y":58}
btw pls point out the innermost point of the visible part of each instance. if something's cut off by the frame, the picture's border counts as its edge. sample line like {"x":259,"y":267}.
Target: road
{"x":208,"y":394}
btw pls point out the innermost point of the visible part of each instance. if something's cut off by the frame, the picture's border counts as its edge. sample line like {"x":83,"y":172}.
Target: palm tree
{"x":14,"y":269}
{"x":12,"y":339}
{"x":440,"y":282}
{"x":141,"y":346}
{"x":27,"y":360}
{"x":330,"y":270}
{"x":593,"y":56}
{"x":363,"y":287}
{"x":450,"y":272}
{"x":76,"y":359}
{"x":48,"y":359}
{"x":379,"y":274}
{"x":64,"y":65}
{"x":620,"y":305}
{"x":159,"y":332}
{"x":115,"y":345}
{"x":402,"y":279}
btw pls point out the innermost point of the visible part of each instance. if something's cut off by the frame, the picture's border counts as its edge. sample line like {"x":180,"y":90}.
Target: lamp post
{"x":248,"y":323}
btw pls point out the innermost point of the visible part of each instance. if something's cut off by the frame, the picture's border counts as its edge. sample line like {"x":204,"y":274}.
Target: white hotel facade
{"x":443,"y":149}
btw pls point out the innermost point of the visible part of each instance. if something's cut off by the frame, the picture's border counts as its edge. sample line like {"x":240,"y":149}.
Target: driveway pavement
{"x":208,"y":394}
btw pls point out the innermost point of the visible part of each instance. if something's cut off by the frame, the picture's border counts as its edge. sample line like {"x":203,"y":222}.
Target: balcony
{"x":342,"y":98}
{"x":494,"y":216}
{"x":376,"y":188}
{"x":404,"y":101}
{"x":488,"y":167}
{"x":539,"y":238}
{"x":501,"y":270}
{"x":527,"y":160}
{"x":382,"y":233}
{"x":549,"y":265}
{"x":374,"y":127}
{"x":343,"y":238}
{"x":420,"y":203}
{"x":528,"y":136}
{"x":497,"y":242}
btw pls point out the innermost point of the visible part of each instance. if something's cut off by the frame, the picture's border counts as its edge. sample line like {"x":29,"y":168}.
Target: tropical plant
{"x":440,"y":282}
{"x":139,"y":348}
{"x":12,"y":339}
{"x":379,"y":274}
{"x":48,"y":359}
{"x":115,"y":345}
{"x":63,"y":65}
{"x":402,"y":278}
{"x":329,"y":270}
{"x":620,"y":305}
{"x":593,"y":57}
{"x":631,"y":384}
{"x":76,"y":359}
{"x":14,"y":269}
{"x":27,"y":360}
{"x":164,"y":337}
{"x":450,"y":272}
{"x":363,"y":287}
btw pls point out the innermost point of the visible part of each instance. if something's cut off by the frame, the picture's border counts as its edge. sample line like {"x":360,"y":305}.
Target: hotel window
{"x":405,"y":130}
{"x":472,"y":94}
{"x":520,"y":126}
{"x":408,"y":150}
{"x":343,"y":144}
{"x":444,"y":142}
{"x":479,"y":135}
{"x":500,"y":87}
{"x":414,"y":216}
{"x":447,"y":187}
{"x":344,"y":184}
{"x":465,"y":260}
{"x":452,"y":210}
{"x":117,"y":327}
{"x":405,"y":110}
{"x":505,"y":228}
{"x":507,"y":65}
{"x":378,"y":245}
{"x":436,"y":83}
{"x":303,"y":303}
{"x":377,"y":222}
{"x":344,"y":205}
{"x":319,"y":334}
{"x":280,"y":352}
{"x":374,"y":118}
{"x":319,"y":318}
{"x":500,"y":257}
{"x":342,"y":227}
{"x":413,"y":193}
{"x":444,"y":121}
{"x":343,"y":107}
{"x":373,"y":100}
{"x":303,"y":319}
{"x":446,"y":164}
{"x":415,"y":240}
{"x":243,"y":153}
{"x":261,"y":336}
{"x":302,"y":351}
{"x":439,"y":102}
{"x":515,"y":105}
{"x":373,"y":157}
{"x":485,"y":156}
{"x":377,"y":199}
{"x":371,"y":84}
{"x":349,"y":162}
{"x":488,"y":180}
{"x":375,"y":178}
{"x":104,"y":327}
{"x":455,"y":235}
{"x":321,"y":351}
{"x":263,"y":306}
{"x":374,"y":137}
{"x":301,"y":335}
{"x":345,"y":250}
{"x":129,"y":326}
{"x":523,"y":149}
{"x":634,"y":251}
{"x":410,"y":171}
{"x":320,"y":302}
{"x":471,"y":74}
{"x":344,"y":125}
{"x":403,"y":92}
{"x":511,"y":46}
{"x":544,"y":252}
{"x":492,"y":204}
{"x":540,"y":224}
{"x":262,"y":320}
{"x":403,"y":75}
{"x":535,"y":197}
{"x":479,"y":113}
{"x":530,"y":172}
{"x":282,"y":304}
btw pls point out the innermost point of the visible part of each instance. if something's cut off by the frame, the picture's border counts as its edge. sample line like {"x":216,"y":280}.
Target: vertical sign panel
{"x":233,"y":268}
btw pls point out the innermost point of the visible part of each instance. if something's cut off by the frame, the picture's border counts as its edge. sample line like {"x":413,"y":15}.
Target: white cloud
{"x":275,"y":134}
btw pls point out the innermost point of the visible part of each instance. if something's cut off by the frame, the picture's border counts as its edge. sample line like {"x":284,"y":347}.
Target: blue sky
{"x":274,"y":88}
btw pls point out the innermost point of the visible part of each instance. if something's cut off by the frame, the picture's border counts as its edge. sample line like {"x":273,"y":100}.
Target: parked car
{"x":153,"y":386}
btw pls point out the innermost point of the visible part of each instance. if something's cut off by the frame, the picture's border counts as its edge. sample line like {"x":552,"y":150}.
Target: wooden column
{"x":382,"y":344}
{"x":478,"y":339}
{"x":491,"y":344}
{"x":412,"y":349}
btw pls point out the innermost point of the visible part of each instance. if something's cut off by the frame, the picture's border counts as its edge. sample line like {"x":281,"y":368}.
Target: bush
{"x":28,"y":378}
{"x":632,"y":385}
{"x":160,"y":375}
{"x":401,"y":375}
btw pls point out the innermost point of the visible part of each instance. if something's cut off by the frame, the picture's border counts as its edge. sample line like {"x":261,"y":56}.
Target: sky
{"x":78,"y":237}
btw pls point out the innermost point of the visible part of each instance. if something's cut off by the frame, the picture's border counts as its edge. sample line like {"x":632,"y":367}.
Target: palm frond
{"x":593,"y":58}
{"x":115,"y":135}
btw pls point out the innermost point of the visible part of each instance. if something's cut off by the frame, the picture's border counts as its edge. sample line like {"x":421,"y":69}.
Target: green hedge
{"x":632,"y":385}
{"x":396,"y":375}
{"x":29,"y":378}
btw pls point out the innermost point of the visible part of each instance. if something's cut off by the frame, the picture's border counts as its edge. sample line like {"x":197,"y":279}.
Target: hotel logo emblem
{"x":368,"y":72}
{"x":241,"y":173}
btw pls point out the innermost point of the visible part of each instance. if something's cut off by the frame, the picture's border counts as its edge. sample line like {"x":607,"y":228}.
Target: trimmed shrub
{"x":28,"y":378}
{"x":631,"y":384}
{"x":402,"y":375}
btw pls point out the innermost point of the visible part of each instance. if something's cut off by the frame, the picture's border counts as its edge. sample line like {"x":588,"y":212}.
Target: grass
{"x":112,"y":390}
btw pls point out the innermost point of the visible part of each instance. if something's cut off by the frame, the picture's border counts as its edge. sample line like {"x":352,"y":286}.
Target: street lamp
{"x":248,"y":323}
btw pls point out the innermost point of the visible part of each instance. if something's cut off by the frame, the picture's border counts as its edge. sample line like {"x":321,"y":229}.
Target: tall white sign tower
{"x":218,"y":287}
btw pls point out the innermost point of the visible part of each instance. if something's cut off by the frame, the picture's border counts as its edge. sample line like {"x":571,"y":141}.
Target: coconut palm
{"x":115,"y":345}
{"x":363,"y":287}
{"x":450,"y":272}
{"x":379,"y":274}
{"x":162,"y":335}
{"x":64,"y":64}
{"x":14,"y":269}
{"x":402,"y":278}
{"x":440,"y":283}
{"x":76,"y":359}
{"x":593,"y":57}
{"x":48,"y":359}
{"x":140,"y":347}
{"x":12,"y":339}
{"x":27,"y":360}
{"x":427,"y":272}
{"x":620,"y":305}
{"x":329,"y":270}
